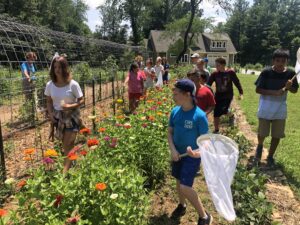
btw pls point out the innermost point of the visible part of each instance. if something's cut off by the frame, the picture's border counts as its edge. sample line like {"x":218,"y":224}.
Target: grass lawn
{"x":288,"y":151}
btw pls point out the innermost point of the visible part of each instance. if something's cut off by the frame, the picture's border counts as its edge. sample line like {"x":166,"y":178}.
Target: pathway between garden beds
{"x":286,"y":207}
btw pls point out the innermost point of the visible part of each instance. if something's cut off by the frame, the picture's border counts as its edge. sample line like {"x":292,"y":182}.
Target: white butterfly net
{"x":219,"y":155}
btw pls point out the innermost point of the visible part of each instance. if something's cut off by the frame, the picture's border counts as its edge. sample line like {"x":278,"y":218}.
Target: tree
{"x":112,"y":17}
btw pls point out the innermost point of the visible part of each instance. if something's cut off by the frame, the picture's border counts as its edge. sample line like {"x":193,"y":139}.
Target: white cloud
{"x":93,"y":4}
{"x":215,"y":11}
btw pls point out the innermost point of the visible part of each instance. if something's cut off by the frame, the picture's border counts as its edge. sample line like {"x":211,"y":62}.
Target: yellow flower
{"x":51,"y":153}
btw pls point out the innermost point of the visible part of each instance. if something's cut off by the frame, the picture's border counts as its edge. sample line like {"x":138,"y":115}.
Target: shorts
{"x":165,"y":77}
{"x":74,"y":128}
{"x":222,"y":107}
{"x":277,"y":128}
{"x":185,"y":170}
{"x":136,"y":96}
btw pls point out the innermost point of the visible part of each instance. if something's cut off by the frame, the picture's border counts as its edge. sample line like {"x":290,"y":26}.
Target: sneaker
{"x":207,"y":221}
{"x":270,"y":161}
{"x":179,"y":211}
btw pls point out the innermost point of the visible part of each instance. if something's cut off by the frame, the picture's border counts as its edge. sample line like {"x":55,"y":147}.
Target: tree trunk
{"x":194,"y":5}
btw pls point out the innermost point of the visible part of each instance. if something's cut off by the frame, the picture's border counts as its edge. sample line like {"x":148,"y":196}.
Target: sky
{"x":209,"y":11}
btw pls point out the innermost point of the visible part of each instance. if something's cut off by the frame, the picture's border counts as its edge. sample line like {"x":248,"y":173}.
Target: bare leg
{"x":193,"y":198}
{"x":131,"y":104}
{"x":216,"y":123}
{"x":68,"y":144}
{"x":180,"y":194}
{"x":273,"y":147}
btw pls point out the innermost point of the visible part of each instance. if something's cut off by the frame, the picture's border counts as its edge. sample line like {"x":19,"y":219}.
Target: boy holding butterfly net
{"x":273,"y":84}
{"x":187,"y":123}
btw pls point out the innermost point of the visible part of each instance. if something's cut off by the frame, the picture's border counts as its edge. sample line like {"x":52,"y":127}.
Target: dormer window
{"x":218,"y":44}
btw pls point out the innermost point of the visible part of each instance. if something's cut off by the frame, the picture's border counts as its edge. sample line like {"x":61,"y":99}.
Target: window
{"x":185,"y":58}
{"x":218,"y":44}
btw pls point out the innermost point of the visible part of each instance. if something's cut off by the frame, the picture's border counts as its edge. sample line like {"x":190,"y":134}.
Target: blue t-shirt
{"x":187,"y":127}
{"x":166,"y":66}
{"x":29,"y":68}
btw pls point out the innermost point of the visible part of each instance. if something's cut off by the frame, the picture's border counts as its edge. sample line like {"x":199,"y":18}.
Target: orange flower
{"x":159,"y":113}
{"x":85,"y":131}
{"x":149,"y":101}
{"x":159,"y":103}
{"x":22,"y":183}
{"x":72,"y":156}
{"x":51,"y":153}
{"x":120,"y":117}
{"x":101,"y":186}
{"x":151,"y":118}
{"x":29,"y":151}
{"x":102,"y":129}
{"x":83,"y":152}
{"x":92,"y":142}
{"x":3,"y":212}
{"x":28,"y":158}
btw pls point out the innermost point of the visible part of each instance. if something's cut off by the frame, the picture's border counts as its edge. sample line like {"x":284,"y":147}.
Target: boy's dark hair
{"x":221,"y":61}
{"x":281,"y":53}
{"x":133,"y":66}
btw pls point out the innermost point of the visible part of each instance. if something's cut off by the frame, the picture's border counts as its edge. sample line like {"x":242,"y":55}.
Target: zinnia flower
{"x":120,"y":117}
{"x":9,"y":181}
{"x":72,"y":156}
{"x":48,"y":160}
{"x":159,"y":103}
{"x":83,"y":152}
{"x":29,"y":151}
{"x":92,"y":142}
{"x":119,"y":125}
{"x":106,"y":138}
{"x":3,"y":212}
{"x":113,"y":145}
{"x":120,"y":101}
{"x":101,"y":186}
{"x":73,"y":220}
{"x":22,"y":183}
{"x":28,"y":158}
{"x":144,"y":125}
{"x":127,"y":126}
{"x":51,"y":153}
{"x":85,"y":131}
{"x":114,"y":140}
{"x":58,"y":200}
{"x":102,"y":129}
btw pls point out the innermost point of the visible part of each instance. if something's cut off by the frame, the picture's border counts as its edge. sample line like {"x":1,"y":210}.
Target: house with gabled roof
{"x":207,"y":45}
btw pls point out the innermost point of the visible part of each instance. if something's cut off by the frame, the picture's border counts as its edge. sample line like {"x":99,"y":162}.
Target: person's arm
{"x":211,"y":102}
{"x":237,"y":82}
{"x":75,"y":105}
{"x":126,"y":80}
{"x":25,"y":72}
{"x":211,"y":79}
{"x":172,"y":148}
{"x":50,"y":109}
{"x":270,"y":92}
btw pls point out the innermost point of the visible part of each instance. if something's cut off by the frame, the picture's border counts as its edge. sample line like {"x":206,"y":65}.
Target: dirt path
{"x":286,"y":207}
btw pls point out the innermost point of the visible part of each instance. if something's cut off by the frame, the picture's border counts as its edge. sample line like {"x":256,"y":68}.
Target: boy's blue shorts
{"x":185,"y":170}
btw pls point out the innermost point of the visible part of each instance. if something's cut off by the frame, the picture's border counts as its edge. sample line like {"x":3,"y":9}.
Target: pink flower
{"x":113,"y":145}
{"x":48,"y":160}
{"x":144,"y":125}
{"x":119,"y":125}
{"x":114,"y":140}
{"x":106,"y":138}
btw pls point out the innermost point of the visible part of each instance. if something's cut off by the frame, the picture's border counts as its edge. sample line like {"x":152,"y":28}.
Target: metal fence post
{"x":100,"y":87}
{"x":2,"y":159}
{"x":94,"y":105}
{"x":113,"y":92}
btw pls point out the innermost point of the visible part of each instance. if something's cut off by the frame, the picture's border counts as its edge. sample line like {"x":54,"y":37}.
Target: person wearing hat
{"x":206,"y":67}
{"x":204,"y":96}
{"x":195,"y":58}
{"x":187,"y":122}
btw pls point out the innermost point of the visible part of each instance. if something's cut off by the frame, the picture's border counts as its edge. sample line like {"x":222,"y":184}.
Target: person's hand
{"x":193,"y":154}
{"x":175,"y":156}
{"x":241,"y":97}
{"x":280,"y":92}
{"x":288,"y":84}
{"x":67,"y":106}
{"x":28,"y":79}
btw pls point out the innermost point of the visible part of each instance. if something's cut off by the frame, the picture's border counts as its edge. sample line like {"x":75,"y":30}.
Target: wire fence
{"x":99,"y":67}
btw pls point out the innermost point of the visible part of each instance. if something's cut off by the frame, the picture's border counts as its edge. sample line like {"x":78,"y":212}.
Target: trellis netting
{"x":219,"y":156}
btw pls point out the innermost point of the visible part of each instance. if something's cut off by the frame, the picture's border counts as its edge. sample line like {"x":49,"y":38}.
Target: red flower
{"x":100,"y":186}
{"x":85,"y":131}
{"x":83,"y":152}
{"x":144,"y":125}
{"x":58,"y":200}
{"x":92,"y":142}
{"x":22,"y":183}
{"x":3,"y":212}
{"x":102,"y":129}
{"x":73,"y":220}
{"x":159,"y":103}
